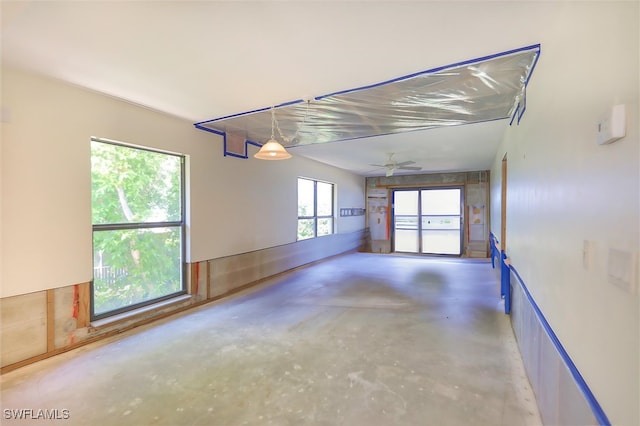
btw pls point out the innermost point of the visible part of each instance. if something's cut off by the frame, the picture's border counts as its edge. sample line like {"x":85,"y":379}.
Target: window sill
{"x":141,"y":313}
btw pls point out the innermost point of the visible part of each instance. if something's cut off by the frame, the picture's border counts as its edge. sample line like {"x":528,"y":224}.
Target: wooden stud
{"x":208,"y":294}
{"x":194,"y":279}
{"x":51,"y":320}
{"x":84,"y":307}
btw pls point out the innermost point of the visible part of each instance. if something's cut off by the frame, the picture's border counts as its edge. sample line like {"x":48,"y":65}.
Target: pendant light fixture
{"x":272,"y":149}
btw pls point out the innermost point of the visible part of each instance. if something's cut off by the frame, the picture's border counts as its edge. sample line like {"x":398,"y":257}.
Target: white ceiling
{"x":208,"y":59}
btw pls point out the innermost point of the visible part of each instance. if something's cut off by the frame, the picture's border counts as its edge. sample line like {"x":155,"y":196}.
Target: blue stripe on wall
{"x":597,"y":410}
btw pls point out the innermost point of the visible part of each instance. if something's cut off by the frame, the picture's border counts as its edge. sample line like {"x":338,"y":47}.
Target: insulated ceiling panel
{"x":473,"y":91}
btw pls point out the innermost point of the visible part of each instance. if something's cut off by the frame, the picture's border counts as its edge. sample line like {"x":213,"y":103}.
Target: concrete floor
{"x":361,"y":339}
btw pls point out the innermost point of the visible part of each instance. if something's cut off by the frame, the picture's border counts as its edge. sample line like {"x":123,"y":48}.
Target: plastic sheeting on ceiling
{"x":477,"y":90}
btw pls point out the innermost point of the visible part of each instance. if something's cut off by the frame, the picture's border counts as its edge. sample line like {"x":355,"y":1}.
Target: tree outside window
{"x":315,"y":208}
{"x":137,"y":214}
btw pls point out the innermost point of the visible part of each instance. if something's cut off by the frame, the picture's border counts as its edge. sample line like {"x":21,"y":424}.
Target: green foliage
{"x":305,"y":229}
{"x":308,"y":215}
{"x":325,"y":226}
{"x":132,"y":186}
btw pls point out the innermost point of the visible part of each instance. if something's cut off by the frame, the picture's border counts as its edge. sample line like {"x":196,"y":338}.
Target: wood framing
{"x":84,"y":305}
{"x":51,"y":320}
{"x":194,"y":277}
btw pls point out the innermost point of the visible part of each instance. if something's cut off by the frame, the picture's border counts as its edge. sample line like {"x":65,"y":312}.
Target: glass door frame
{"x":419,"y":230}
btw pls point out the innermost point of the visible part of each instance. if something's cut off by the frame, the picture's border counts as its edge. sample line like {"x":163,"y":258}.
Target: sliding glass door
{"x":427,"y":221}
{"x":441,"y":221}
{"x":406,"y":232}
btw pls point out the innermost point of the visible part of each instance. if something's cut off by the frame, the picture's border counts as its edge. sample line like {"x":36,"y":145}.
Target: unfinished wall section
{"x":23,"y":330}
{"x":561,"y":399}
{"x":38,"y":325}
{"x":230,"y":273}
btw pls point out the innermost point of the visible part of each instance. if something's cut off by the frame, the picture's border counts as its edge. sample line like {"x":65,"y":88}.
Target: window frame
{"x":180,"y":224}
{"x":315,"y":217}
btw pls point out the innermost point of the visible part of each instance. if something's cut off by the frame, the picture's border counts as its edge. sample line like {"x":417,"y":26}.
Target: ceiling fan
{"x":392,"y":165}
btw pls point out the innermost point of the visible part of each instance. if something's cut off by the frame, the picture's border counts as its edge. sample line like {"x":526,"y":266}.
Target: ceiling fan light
{"x":272,"y":150}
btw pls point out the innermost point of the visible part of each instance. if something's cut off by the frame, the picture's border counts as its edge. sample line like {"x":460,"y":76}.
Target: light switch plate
{"x":622,"y":269}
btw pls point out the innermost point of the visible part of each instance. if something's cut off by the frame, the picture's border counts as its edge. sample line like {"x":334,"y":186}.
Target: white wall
{"x":259,"y":207}
{"x":563,"y":190}
{"x":235,"y":205}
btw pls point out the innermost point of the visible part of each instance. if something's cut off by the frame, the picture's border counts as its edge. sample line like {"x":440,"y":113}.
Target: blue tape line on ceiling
{"x":533,"y":66}
{"x":434,"y":70}
{"x":533,"y":47}
{"x":515,"y":113}
{"x":224,"y":145}
{"x":233,"y":154}
{"x":224,"y":142}
{"x":224,"y":137}
{"x":526,"y":83}
{"x":246,"y":150}
{"x":524,"y":106}
{"x":228,"y":153}
{"x":207,"y":129}
{"x":297,"y":101}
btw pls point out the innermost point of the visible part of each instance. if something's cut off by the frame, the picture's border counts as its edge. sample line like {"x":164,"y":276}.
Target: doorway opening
{"x":427,"y":221}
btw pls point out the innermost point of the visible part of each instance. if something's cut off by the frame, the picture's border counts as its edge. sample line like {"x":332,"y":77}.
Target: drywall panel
{"x":232,"y":272}
{"x":571,"y":203}
{"x":23,"y":327}
{"x":234,"y":205}
{"x":197,"y":277}
{"x":256,"y":201}
{"x":46,"y":211}
{"x":64,"y":308}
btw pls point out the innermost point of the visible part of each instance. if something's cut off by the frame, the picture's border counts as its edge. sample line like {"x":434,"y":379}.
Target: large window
{"x":315,"y":208}
{"x":138,"y":227}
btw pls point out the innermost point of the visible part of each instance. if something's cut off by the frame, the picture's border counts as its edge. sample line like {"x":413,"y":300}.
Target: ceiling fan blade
{"x":392,"y":166}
